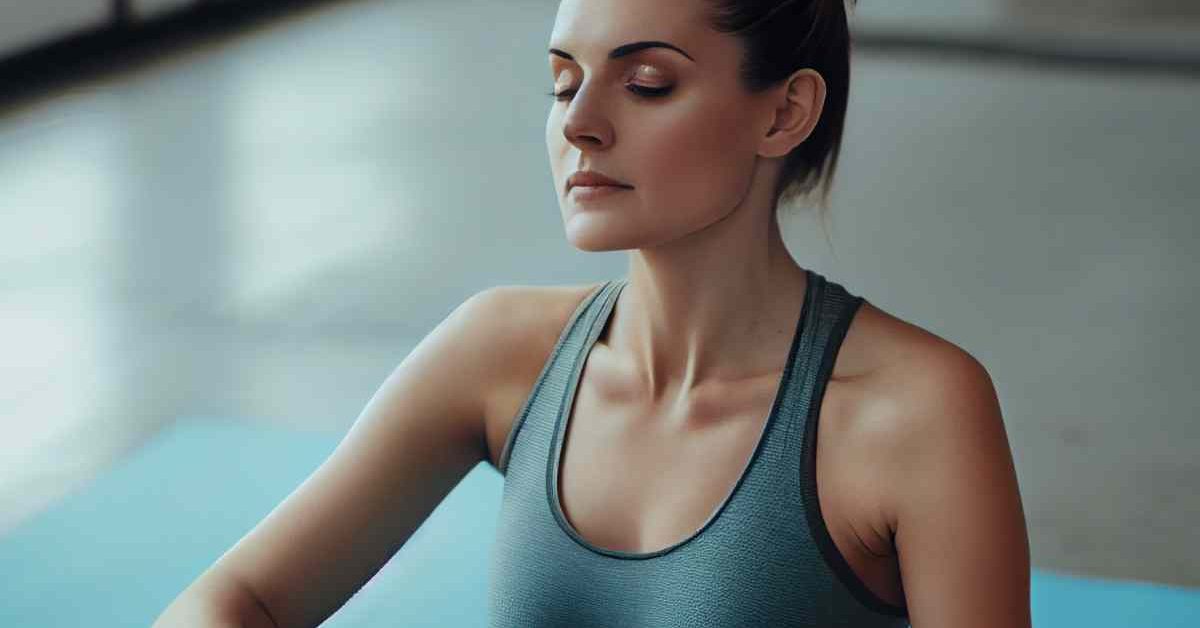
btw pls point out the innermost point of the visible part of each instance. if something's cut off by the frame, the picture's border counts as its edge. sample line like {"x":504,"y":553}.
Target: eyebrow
{"x":627,"y":49}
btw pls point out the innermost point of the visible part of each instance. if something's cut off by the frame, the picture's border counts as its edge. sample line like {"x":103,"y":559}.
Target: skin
{"x":707,"y":261}
{"x":917,"y":479}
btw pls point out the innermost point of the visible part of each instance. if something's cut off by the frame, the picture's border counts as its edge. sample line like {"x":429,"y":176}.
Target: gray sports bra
{"x":763,"y":558}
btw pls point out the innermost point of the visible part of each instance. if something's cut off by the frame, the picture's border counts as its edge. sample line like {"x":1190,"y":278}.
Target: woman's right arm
{"x":215,"y":601}
{"x":417,"y":437}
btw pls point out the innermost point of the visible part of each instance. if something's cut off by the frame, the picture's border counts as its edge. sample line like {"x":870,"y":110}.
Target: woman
{"x":662,"y":435}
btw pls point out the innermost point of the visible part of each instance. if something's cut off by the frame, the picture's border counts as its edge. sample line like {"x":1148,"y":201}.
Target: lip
{"x":587,"y":193}
{"x":592,"y":178}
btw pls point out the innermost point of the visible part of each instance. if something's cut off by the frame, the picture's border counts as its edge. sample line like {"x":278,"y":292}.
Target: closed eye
{"x":648,"y":92}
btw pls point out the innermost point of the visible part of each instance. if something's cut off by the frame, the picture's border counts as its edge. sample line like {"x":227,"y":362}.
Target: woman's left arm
{"x":959,"y":525}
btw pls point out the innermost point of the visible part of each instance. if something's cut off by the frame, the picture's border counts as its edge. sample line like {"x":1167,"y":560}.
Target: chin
{"x":594,"y":245}
{"x":594,"y":240}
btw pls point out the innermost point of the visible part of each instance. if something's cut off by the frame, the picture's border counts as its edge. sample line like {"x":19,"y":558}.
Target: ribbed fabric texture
{"x":764,"y":558}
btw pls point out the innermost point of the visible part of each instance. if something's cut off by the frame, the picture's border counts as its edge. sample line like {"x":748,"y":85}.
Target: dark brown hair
{"x":778,"y":38}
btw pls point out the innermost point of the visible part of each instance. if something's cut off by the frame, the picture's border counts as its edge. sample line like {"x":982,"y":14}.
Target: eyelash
{"x":647,"y":92}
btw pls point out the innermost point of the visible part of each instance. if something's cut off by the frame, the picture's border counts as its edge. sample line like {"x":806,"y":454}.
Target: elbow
{"x":215,"y":601}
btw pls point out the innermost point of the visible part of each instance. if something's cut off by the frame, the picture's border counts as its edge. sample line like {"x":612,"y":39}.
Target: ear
{"x":798,"y":108}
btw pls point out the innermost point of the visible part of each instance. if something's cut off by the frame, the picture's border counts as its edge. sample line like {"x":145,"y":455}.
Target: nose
{"x":584,"y":125}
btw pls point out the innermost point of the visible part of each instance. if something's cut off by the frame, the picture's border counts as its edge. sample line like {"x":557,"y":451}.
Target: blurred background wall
{"x":259,"y":222}
{"x":26,"y":23}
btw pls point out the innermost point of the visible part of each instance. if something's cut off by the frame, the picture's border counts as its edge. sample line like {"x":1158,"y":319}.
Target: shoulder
{"x":900,"y":365}
{"x":946,"y":481}
{"x":916,"y":381}
{"x":515,"y":322}
{"x":914,"y":366}
{"x":931,"y":421}
{"x":919,"y":400}
{"x":512,"y":317}
{"x":931,"y":383}
{"x":517,"y":297}
{"x":499,"y":330}
{"x":518,"y":327}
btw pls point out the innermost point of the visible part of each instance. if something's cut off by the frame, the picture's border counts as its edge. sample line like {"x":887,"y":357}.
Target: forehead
{"x":592,"y":27}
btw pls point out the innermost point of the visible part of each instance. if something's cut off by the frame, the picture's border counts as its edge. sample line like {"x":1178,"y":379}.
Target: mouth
{"x":593,"y":179}
{"x":585,"y":193}
{"x":599,"y":185}
{"x":591,"y":188}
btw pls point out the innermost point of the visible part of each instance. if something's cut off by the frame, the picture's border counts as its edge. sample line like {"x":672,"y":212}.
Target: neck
{"x":708,"y":309}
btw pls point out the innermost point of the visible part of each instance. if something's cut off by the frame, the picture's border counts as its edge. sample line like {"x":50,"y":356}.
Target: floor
{"x":264,"y":225}
{"x":121,"y":550}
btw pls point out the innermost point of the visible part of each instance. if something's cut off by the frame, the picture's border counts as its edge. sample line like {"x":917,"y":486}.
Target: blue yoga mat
{"x":115,"y":553}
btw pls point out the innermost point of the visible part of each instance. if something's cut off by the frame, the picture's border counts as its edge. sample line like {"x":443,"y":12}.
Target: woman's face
{"x":675,"y":126}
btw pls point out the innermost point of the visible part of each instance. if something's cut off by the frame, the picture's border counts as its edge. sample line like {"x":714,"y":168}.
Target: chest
{"x":638,"y":480}
{"x":633,"y":481}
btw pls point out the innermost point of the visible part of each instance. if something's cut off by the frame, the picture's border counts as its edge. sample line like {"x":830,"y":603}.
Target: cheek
{"x":696,"y":158}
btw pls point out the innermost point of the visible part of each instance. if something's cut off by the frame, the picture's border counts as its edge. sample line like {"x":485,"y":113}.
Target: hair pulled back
{"x":780,"y":37}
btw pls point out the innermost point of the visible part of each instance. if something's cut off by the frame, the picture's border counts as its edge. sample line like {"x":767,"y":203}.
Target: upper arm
{"x":959,"y":525}
{"x":417,"y":437}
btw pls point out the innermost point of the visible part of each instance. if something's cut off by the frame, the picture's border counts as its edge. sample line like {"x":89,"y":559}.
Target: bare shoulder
{"x":890,"y":379}
{"x":881,"y":347}
{"x":522,"y":325}
{"x":944,"y":481}
{"x":915,"y":388}
{"x":920,"y":357}
{"x":892,"y":360}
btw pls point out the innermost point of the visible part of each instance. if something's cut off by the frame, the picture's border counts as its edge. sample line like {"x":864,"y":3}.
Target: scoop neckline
{"x":566,"y":408}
